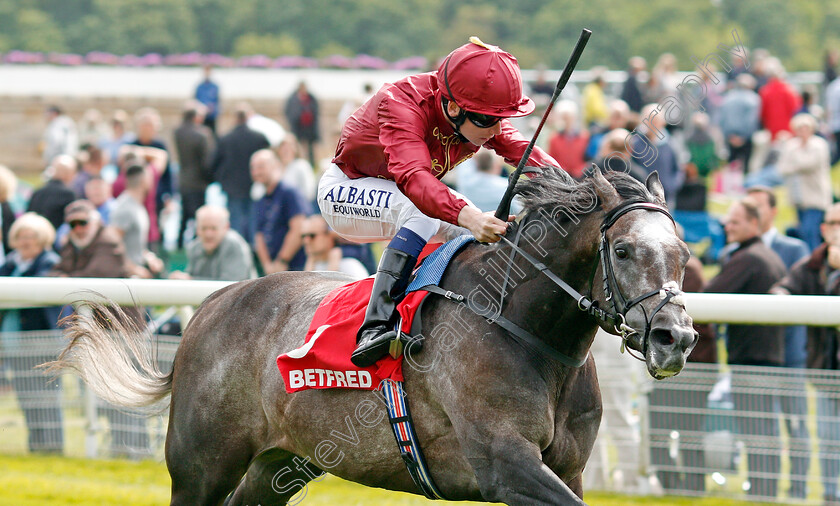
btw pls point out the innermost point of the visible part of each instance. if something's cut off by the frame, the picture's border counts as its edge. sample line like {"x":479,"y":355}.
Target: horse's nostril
{"x":662,"y":337}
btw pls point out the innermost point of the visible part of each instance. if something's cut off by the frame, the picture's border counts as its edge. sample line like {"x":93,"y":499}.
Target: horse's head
{"x":642,"y":266}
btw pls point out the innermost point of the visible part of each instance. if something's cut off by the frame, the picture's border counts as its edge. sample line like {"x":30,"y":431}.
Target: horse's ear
{"x":605,"y":191}
{"x":654,"y":185}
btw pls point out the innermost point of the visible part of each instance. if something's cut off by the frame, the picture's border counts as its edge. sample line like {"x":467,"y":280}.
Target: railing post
{"x":89,"y":400}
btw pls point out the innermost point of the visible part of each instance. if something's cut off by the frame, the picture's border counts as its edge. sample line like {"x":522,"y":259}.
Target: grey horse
{"x":498,"y":421}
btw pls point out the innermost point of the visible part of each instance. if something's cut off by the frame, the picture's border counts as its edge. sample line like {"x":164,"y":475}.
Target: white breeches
{"x":371,"y":209}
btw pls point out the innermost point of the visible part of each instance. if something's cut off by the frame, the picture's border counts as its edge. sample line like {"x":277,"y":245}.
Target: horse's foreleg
{"x":273,"y":478}
{"x":511,"y":471}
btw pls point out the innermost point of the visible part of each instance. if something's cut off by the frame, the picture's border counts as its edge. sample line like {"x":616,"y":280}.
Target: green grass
{"x":58,"y":481}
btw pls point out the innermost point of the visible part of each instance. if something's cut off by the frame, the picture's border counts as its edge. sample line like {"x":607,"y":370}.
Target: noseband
{"x":620,"y":305}
{"x":612,"y":292}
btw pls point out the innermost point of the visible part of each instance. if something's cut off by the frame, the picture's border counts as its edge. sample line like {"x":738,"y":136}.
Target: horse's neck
{"x":531,"y":299}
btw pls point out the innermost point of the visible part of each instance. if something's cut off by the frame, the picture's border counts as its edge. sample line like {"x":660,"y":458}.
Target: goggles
{"x":482,"y":120}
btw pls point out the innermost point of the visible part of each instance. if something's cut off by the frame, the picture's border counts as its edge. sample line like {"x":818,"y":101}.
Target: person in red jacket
{"x":779,"y":101}
{"x":384,"y":182}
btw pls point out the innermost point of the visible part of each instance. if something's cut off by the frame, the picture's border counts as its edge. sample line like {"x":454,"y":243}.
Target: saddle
{"x":323,"y":361}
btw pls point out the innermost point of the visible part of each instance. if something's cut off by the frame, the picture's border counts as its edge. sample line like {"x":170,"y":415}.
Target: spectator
{"x":702,"y":145}
{"x":832,"y":104}
{"x":480,"y":180}
{"x":8,"y":186}
{"x":217,"y":252}
{"x":593,"y":99}
{"x":631,"y":92}
{"x":92,"y":162}
{"x":830,"y":66}
{"x":280,"y":215}
{"x":92,"y":250}
{"x":665,"y":161}
{"x":91,"y":127}
{"x":96,"y":251}
{"x":231,"y":169}
{"x":99,"y":193}
{"x":819,"y":274}
{"x":789,"y":249}
{"x":31,"y":237}
{"x":302,"y":113}
{"x":568,"y":144}
{"x":350,"y":106}
{"x":131,"y":221}
{"x":703,"y":159}
{"x":153,"y":159}
{"x":778,"y":100}
{"x":738,"y":118}
{"x":297,"y":172}
{"x":794,"y":404}
{"x":322,"y":254}
{"x":50,"y":200}
{"x":753,"y":268}
{"x":804,"y":164}
{"x":614,"y":155}
{"x":274,"y":133}
{"x":654,"y":91}
{"x":119,"y":136}
{"x":60,"y":136}
{"x":619,"y":116}
{"x":207,"y":92}
{"x":713,"y":97}
{"x":738,"y":66}
{"x":148,"y":124}
{"x":195,"y":144}
{"x":541,"y":89}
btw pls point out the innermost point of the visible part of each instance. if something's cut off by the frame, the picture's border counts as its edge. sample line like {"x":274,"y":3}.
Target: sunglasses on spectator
{"x":311,"y":235}
{"x":77,"y":223}
{"x":482,"y":120}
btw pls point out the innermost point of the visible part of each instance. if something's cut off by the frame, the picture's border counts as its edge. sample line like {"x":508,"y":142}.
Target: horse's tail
{"x":114,"y":355}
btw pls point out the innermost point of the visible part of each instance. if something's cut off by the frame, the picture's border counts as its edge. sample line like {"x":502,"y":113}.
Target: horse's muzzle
{"x":668,"y":349}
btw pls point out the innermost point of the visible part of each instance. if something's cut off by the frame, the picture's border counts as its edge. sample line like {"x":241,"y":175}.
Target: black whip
{"x":503,"y":211}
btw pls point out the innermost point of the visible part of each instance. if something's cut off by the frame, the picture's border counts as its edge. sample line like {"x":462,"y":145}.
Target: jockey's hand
{"x":484,"y":226}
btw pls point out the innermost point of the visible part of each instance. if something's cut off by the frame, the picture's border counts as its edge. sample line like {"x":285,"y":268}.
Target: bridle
{"x":620,"y":305}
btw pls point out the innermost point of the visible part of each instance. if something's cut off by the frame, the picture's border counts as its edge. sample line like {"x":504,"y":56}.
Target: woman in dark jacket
{"x":31,"y":237}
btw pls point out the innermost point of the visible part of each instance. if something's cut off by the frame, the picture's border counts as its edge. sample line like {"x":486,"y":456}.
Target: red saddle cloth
{"x":324,"y":359}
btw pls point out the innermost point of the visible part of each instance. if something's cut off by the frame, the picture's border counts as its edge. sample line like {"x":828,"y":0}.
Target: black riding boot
{"x":377,"y":332}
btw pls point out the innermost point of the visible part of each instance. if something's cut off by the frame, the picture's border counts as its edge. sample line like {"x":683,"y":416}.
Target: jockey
{"x":384,"y":182}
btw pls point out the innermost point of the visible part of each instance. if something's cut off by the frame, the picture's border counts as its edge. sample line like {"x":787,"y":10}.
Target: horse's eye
{"x":621,"y":253}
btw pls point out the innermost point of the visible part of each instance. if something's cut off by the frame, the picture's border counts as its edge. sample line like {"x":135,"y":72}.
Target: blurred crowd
{"x":750,"y":138}
{"x":742,"y":152}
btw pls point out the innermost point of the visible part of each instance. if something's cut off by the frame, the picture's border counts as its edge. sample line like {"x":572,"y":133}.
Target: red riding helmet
{"x":482,"y":78}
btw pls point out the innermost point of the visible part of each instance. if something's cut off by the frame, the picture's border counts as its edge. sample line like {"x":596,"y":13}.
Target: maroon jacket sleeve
{"x":510,"y":145}
{"x":401,"y":130}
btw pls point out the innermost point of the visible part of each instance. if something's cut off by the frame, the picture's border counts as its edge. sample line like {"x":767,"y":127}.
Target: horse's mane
{"x":554,"y":188}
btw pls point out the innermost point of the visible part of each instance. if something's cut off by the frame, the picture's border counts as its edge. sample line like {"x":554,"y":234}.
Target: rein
{"x":616,"y":317}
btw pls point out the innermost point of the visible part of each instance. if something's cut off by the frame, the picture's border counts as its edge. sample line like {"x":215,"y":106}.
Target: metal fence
{"x":753,"y":433}
{"x":43,"y":414}
{"x":743,"y":432}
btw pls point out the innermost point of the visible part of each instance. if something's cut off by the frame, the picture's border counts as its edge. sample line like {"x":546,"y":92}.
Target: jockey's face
{"x":473,"y":133}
